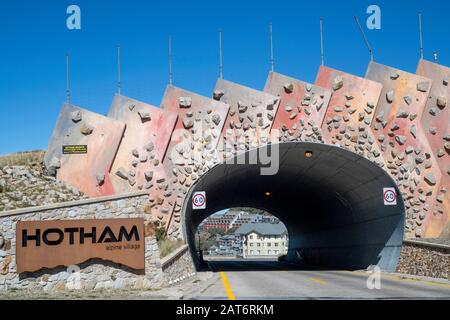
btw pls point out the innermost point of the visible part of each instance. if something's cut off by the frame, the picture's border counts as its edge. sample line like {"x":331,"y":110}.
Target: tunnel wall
{"x":332,"y":204}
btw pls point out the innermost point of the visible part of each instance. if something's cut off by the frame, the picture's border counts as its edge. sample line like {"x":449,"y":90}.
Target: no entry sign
{"x":389,"y":196}
{"x":199,"y":200}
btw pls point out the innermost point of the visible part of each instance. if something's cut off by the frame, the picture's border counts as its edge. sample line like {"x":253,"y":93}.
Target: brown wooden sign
{"x":49,"y":244}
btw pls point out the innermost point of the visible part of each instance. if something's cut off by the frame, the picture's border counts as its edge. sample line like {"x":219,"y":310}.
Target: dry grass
{"x":22,"y":158}
{"x":167,"y":246}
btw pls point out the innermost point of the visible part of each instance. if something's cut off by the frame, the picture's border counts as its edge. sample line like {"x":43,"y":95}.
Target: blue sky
{"x":35,"y":39}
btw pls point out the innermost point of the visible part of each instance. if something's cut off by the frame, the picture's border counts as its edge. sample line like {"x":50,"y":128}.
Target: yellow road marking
{"x":399,"y":278}
{"x":318,"y":280}
{"x":226,"y":284}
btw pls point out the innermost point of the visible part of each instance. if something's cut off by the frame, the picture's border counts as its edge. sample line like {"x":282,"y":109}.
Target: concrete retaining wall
{"x":425,"y":259}
{"x":92,"y":274}
{"x":178,"y":266}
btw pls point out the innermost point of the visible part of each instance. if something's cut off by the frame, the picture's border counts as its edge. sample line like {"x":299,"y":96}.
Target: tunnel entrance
{"x":242,"y":235}
{"x":330,"y":199}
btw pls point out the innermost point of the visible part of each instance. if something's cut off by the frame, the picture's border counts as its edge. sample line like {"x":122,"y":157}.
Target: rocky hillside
{"x":27,"y":185}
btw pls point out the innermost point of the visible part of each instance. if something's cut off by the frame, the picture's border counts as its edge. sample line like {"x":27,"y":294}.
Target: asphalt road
{"x":237,"y":279}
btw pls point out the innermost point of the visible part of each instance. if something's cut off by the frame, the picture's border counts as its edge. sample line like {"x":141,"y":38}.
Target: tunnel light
{"x":308,"y":154}
{"x":267,"y":194}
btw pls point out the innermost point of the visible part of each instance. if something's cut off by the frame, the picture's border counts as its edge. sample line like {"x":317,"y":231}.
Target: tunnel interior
{"x":330,"y":200}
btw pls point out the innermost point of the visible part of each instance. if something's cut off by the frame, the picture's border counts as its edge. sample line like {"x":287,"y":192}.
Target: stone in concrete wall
{"x":425,"y":260}
{"x":178,"y":266}
{"x":93,"y":274}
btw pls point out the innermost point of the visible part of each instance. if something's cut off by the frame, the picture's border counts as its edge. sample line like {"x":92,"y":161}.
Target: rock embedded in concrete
{"x":430,"y":179}
{"x":400,"y":140}
{"x":185,"y":102}
{"x":145,"y":115}
{"x":122,"y":173}
{"x":338,"y":83}
{"x":86,"y":129}
{"x":441,"y":102}
{"x":216,"y":119}
{"x":218,"y":94}
{"x":407,"y":99}
{"x":422,"y":86}
{"x":100,"y":178}
{"x":288,"y":87}
{"x":77,"y":116}
{"x":390,"y":96}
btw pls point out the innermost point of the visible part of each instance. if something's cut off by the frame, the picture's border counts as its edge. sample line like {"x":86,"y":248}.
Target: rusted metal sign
{"x":49,"y":244}
{"x":301,"y":110}
{"x":350,"y":112}
{"x":89,"y":172}
{"x":397,"y":127}
{"x":436,"y":126}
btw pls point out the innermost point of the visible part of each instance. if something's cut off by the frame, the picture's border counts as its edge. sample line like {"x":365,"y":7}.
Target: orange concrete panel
{"x":144,"y":144}
{"x":88,"y":172}
{"x":350,"y":112}
{"x":436,"y":125}
{"x":302,"y":108}
{"x":409,"y":156}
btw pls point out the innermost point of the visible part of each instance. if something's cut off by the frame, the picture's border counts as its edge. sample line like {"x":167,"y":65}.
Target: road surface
{"x":238,"y":279}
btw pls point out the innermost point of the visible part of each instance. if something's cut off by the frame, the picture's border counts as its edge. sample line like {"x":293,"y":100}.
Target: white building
{"x":261,"y":240}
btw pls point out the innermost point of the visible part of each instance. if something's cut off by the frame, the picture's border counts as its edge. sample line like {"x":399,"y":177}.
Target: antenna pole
{"x":68,"y":77}
{"x":170,"y":61}
{"x":119,"y":84}
{"x":220,"y":55}
{"x":365,"y":38}
{"x":322,"y":60}
{"x":420,"y":35}
{"x":272,"y":62}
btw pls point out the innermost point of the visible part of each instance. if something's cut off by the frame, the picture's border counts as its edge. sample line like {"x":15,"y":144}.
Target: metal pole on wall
{"x":272,"y":62}
{"x":68,"y":78}
{"x":118,"y":71}
{"x":420,"y":35}
{"x":322,"y":59}
{"x":220,"y":55}
{"x":170,"y":61}
{"x":365,"y":38}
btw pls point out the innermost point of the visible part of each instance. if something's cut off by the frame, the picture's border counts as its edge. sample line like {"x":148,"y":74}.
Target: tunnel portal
{"x":330,"y":199}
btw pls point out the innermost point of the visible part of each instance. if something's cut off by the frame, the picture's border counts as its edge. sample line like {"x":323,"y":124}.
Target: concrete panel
{"x":144,"y":144}
{"x":193,"y":145}
{"x":77,"y":126}
{"x":251,"y":115}
{"x":409,"y":156}
{"x":350,"y":112}
{"x":301,"y":110}
{"x":436,"y":125}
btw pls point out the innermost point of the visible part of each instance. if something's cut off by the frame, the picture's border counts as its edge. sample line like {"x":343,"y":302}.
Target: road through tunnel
{"x":330,"y":200}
